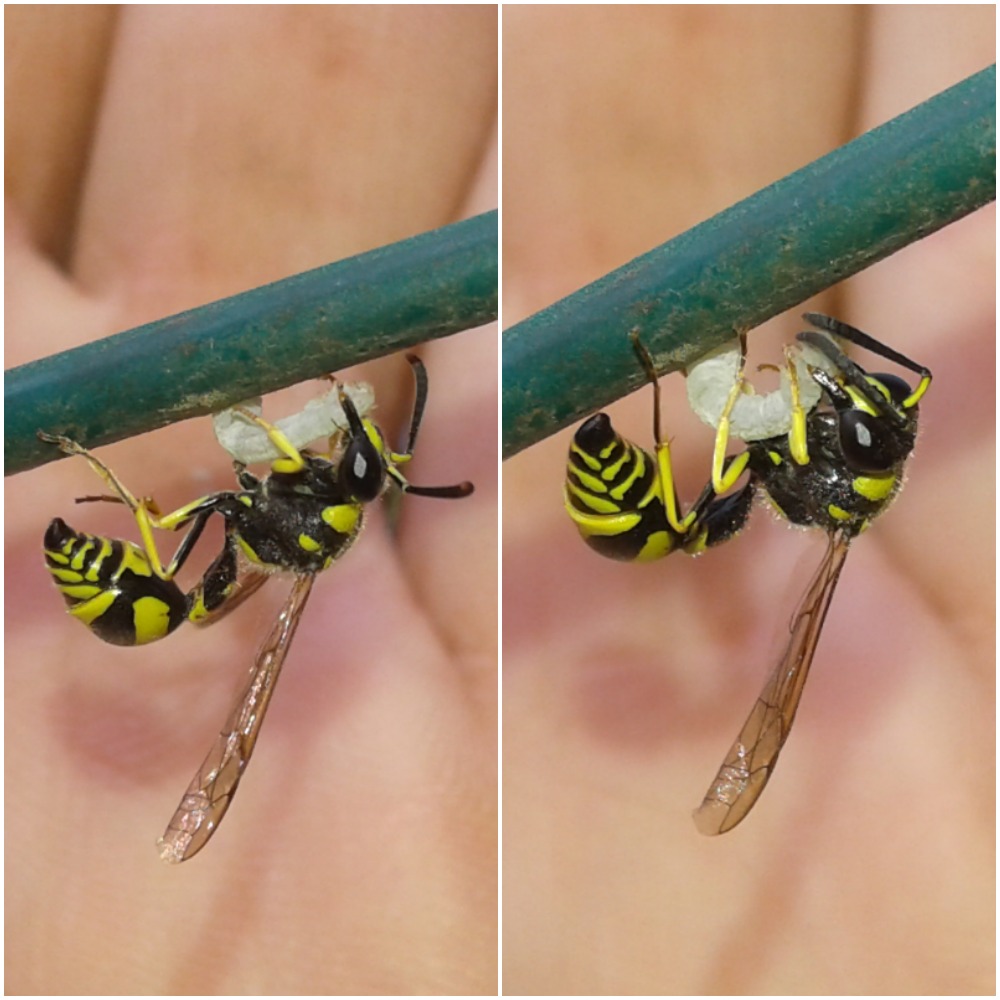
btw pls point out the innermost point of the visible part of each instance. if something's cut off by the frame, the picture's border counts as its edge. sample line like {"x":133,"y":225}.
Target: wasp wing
{"x":751,"y":759}
{"x":211,"y":790}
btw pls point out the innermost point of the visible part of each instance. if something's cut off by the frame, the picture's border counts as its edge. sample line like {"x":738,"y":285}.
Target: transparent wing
{"x":751,"y":759}
{"x":211,"y":790}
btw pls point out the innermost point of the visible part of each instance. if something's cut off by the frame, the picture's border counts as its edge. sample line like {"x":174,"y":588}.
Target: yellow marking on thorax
{"x":874,"y":488}
{"x":343,"y":518}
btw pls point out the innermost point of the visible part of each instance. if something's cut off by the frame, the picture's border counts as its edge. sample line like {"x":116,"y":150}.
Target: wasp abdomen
{"x":111,"y":587}
{"x":613,"y":495}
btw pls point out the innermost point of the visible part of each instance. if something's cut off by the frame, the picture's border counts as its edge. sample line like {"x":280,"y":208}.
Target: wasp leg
{"x":69,"y":447}
{"x":293,"y":460}
{"x":668,"y":490}
{"x":145,"y":510}
{"x":717,"y":519}
{"x":247,"y":480}
{"x":187,"y":544}
{"x":724,"y":476}
{"x":216,"y":585}
{"x":798,"y":443}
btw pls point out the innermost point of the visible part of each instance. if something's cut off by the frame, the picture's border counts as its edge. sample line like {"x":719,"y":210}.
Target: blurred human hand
{"x":157,"y":159}
{"x":867,"y":866}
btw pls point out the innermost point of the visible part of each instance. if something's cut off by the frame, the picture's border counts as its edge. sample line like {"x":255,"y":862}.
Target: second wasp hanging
{"x":827,"y":451}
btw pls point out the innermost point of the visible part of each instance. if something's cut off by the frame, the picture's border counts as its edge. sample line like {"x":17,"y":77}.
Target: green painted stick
{"x":201,"y":361}
{"x":842,"y":213}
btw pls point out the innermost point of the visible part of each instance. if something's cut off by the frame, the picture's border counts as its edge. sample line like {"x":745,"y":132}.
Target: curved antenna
{"x":869,"y":343}
{"x":853,"y":372}
{"x":455,"y":492}
{"x":419,"y":402}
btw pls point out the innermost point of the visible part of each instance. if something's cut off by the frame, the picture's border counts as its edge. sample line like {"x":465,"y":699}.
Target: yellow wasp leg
{"x":664,"y":466}
{"x":145,"y":511}
{"x":797,"y":441}
{"x":723,"y":478}
{"x":669,"y":492}
{"x":69,"y":447}
{"x":293,"y":460}
{"x":139,"y":508}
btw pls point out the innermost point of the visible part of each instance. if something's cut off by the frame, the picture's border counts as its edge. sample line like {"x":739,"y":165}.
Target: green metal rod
{"x":842,"y":213}
{"x":206,"y":359}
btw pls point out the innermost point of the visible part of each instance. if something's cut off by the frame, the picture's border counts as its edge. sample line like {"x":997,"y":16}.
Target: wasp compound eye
{"x":869,"y":444}
{"x":362,"y":471}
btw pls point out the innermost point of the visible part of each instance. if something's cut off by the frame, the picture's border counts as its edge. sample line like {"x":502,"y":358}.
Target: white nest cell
{"x":755,"y":416}
{"x":320,"y":418}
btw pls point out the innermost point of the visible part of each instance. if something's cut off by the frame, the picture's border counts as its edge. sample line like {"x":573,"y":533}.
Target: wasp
{"x":833,"y":459}
{"x":298,"y":520}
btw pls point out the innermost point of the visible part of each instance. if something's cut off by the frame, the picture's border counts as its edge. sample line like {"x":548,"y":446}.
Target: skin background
{"x":868,"y":865}
{"x":157,"y":159}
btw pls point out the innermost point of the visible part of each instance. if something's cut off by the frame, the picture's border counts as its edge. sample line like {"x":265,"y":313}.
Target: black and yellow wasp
{"x":299,"y":519}
{"x":837,"y":468}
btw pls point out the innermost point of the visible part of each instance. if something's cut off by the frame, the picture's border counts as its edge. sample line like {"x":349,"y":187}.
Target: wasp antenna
{"x":455,"y":492}
{"x":419,"y":402}
{"x":350,"y":411}
{"x":864,"y":340}
{"x":99,"y":498}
